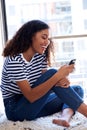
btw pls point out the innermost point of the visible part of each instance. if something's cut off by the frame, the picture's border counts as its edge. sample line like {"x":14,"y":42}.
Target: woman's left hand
{"x":64,"y":83}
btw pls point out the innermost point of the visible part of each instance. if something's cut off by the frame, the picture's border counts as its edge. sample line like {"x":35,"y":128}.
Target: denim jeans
{"x":56,"y":99}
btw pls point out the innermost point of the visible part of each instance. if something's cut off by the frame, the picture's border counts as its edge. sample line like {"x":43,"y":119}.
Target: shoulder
{"x":13,"y":61}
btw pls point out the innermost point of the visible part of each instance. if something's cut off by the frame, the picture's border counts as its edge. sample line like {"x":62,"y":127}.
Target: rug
{"x":78,"y":122}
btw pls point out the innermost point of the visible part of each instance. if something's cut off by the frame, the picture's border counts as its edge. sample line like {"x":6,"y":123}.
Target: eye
{"x":44,"y":37}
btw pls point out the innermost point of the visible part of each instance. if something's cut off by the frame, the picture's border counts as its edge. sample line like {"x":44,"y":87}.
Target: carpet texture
{"x":78,"y":122}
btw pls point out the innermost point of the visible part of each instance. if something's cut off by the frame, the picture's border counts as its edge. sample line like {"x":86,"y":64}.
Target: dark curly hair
{"x":22,"y":40}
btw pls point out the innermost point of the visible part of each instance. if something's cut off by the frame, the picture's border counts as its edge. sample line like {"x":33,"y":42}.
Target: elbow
{"x":32,"y":99}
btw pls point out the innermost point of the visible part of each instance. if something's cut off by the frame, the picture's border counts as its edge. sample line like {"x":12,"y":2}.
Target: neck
{"x":28,"y":54}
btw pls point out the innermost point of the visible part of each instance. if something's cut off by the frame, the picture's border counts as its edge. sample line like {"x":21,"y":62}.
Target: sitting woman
{"x":31,"y":90}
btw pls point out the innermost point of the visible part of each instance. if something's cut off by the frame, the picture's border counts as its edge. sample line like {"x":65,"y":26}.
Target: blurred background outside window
{"x":68,"y":22}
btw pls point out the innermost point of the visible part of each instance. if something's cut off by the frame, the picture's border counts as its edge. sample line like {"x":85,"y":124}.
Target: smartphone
{"x":72,"y":61}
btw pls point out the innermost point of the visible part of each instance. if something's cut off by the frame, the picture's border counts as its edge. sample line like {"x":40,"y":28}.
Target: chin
{"x":41,"y":52}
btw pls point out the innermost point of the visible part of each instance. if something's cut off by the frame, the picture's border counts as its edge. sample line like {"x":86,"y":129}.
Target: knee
{"x":52,"y":71}
{"x":79,"y":90}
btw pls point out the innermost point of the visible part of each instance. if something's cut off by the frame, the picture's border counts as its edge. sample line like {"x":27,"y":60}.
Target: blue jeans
{"x":56,"y":99}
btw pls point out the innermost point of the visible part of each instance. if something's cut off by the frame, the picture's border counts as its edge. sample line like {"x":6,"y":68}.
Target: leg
{"x":67,"y":115}
{"x":65,"y":118}
{"x":23,"y":109}
{"x":67,"y":112}
{"x":53,"y":105}
{"x":19,"y":108}
{"x":67,"y":95}
{"x":83,"y":107}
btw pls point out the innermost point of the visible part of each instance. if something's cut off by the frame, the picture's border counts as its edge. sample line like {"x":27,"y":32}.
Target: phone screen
{"x":72,"y":61}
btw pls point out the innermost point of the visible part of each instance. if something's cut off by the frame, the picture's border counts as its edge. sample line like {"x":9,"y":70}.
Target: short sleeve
{"x":15,"y":71}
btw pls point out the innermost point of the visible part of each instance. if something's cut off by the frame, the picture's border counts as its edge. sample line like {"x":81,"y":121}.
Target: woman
{"x":31,"y":90}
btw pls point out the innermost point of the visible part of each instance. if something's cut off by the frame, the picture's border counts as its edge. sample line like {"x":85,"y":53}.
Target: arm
{"x":32,"y":94}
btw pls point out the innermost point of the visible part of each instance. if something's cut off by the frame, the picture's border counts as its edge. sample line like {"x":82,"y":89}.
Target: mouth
{"x":43,"y":48}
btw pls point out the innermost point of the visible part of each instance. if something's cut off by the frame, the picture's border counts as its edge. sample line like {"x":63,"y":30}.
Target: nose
{"x":47,"y":41}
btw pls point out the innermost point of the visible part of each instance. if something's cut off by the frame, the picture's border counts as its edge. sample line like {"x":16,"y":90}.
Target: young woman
{"x":31,"y":90}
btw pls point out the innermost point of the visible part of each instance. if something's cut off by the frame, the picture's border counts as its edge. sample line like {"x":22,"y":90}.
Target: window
{"x":85,"y":24}
{"x":84,"y":4}
{"x":68,"y":23}
{"x":2,"y":38}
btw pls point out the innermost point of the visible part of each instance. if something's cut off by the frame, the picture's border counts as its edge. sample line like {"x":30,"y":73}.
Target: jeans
{"x":55,"y":100}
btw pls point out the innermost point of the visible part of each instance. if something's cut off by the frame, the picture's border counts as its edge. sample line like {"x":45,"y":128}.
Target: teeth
{"x":44,"y":46}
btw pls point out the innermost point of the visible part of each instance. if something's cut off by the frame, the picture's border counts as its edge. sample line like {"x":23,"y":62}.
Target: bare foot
{"x":61,"y":122}
{"x":65,"y":118}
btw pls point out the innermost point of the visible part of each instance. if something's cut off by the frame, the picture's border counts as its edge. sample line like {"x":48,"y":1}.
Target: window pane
{"x":84,"y":4}
{"x":63,"y":16}
{"x":67,"y":49}
{"x":65,"y":19}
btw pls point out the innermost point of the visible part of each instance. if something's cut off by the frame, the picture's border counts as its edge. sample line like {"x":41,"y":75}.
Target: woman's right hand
{"x":65,"y":70}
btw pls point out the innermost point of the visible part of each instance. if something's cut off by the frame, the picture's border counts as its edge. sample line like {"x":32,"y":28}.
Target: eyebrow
{"x":49,"y":38}
{"x":45,"y":34}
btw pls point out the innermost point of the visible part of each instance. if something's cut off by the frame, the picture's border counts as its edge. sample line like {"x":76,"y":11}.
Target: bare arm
{"x":32,"y":94}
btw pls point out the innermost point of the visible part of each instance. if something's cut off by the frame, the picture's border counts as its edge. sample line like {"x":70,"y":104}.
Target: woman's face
{"x":40,"y":41}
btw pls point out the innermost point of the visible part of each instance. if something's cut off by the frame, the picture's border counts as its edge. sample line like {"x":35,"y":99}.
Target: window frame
{"x":4,"y":20}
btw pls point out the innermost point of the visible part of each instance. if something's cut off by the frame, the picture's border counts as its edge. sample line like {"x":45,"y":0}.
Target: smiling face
{"x":40,"y":41}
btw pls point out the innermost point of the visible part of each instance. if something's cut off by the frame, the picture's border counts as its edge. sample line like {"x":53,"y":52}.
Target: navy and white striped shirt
{"x":17,"y":69}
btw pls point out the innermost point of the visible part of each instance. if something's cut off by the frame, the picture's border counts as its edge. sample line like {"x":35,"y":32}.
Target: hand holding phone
{"x":72,"y":61}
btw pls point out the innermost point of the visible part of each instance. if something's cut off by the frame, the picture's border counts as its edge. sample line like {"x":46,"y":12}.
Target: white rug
{"x":78,"y":122}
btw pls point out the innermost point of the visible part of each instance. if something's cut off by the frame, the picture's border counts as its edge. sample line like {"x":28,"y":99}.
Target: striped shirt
{"x":17,"y":69}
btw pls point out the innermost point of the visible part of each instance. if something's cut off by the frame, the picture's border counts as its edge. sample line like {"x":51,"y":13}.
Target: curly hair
{"x":22,"y":40}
